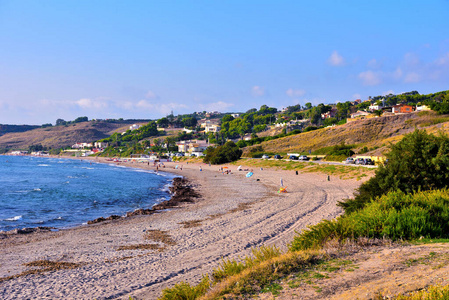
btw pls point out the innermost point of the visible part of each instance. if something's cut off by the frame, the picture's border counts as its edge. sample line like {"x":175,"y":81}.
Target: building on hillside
{"x":235,"y":115}
{"x":82,"y":145}
{"x":134,"y":127}
{"x":330,"y":114}
{"x":422,"y":108}
{"x":360,"y":114}
{"x":374,"y":107}
{"x":403,"y":109}
{"x":100,"y":144}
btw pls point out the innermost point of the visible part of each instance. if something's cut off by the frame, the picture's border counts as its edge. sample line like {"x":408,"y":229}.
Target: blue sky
{"x":143,"y":59}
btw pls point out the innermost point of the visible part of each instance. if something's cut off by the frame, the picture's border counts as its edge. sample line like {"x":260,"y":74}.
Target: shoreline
{"x":141,"y":255}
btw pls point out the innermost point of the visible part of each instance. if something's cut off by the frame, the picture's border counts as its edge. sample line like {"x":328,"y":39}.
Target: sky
{"x":144,"y":59}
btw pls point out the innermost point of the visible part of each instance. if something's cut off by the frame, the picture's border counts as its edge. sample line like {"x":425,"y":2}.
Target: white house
{"x":134,"y":127}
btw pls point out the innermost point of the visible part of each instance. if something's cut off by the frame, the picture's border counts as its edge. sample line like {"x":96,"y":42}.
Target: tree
{"x":420,"y":161}
{"x":60,"y":122}
{"x":308,"y":105}
{"x":223,"y":154}
{"x":163,"y":122}
{"x":81,"y":119}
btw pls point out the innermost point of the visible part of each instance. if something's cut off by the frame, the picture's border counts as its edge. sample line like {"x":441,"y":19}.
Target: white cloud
{"x":388,"y":93}
{"x":216,"y":106}
{"x":370,"y":78}
{"x":397,"y":73}
{"x":258,"y":91}
{"x":336,"y":59}
{"x":411,"y":59}
{"x":87,"y":103}
{"x":151,"y":95}
{"x":444,"y":60}
{"x":374,"y":64}
{"x":164,"y":108}
{"x":295,"y":93}
{"x":412,"y":77}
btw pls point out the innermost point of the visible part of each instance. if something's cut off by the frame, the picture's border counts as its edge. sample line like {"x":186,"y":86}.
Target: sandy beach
{"x":140,"y":255}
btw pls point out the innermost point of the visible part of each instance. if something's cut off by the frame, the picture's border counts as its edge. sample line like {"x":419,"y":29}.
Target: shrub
{"x":420,"y":161}
{"x":395,"y":216}
{"x":184,"y":291}
{"x":223,"y":154}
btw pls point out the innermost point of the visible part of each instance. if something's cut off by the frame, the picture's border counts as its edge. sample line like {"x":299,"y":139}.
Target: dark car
{"x":369,"y":161}
{"x":293,"y":157}
{"x":277,"y":156}
{"x":359,"y":161}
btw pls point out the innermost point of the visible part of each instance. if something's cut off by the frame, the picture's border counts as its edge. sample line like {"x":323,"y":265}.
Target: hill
{"x":374,"y":133}
{"x":64,"y":135}
{"x":5,"y":128}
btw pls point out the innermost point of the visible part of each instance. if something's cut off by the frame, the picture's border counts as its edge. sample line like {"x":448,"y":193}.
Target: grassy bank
{"x":341,"y":171}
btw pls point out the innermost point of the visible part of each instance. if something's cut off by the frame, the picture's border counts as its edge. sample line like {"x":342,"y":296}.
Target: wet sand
{"x":140,"y":255}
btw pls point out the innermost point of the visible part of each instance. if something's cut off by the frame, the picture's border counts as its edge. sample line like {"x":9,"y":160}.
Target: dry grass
{"x":374,"y":132}
{"x":341,"y":171}
{"x":159,"y":236}
{"x":43,"y":266}
{"x":142,"y":247}
{"x":191,"y":224}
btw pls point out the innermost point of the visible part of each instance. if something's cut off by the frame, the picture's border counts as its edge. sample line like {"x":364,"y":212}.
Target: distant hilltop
{"x":5,"y":128}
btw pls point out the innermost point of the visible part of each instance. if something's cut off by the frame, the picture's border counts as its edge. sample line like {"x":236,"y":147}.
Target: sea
{"x":63,"y":193}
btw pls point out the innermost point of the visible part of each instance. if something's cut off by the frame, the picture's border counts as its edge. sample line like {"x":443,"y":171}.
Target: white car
{"x":265,"y":156}
{"x":349,"y":160}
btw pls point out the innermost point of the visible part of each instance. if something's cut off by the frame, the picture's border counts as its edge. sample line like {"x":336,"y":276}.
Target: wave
{"x":37,"y":190}
{"x":16,"y":218}
{"x":43,"y":165}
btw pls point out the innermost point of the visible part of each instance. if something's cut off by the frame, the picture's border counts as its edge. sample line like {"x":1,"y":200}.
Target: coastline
{"x":233,"y":215}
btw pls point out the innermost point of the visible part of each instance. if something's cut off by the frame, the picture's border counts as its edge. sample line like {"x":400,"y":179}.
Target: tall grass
{"x":184,"y":291}
{"x":395,"y":216}
{"x":432,"y":293}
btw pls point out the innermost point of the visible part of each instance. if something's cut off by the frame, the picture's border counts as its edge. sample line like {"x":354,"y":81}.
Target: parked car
{"x":265,"y":156}
{"x":277,"y":156}
{"x":304,"y":157}
{"x":349,"y":160}
{"x":359,"y":161}
{"x":293,"y":157}
{"x":369,"y":161}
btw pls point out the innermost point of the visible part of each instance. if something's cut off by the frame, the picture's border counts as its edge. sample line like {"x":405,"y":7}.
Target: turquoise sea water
{"x":61,"y":193}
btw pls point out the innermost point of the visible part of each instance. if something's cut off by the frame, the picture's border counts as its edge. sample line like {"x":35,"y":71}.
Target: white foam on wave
{"x":43,"y":165}
{"x":87,"y":168}
{"x":37,"y":190}
{"x":16,"y":218}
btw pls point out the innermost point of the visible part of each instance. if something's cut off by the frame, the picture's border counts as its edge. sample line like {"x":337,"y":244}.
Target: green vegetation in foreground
{"x":432,"y":293}
{"x":419,"y":161}
{"x":397,"y":216}
{"x":343,"y":172}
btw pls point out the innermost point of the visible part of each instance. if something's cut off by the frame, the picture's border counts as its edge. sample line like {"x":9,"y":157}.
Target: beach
{"x":140,"y":255}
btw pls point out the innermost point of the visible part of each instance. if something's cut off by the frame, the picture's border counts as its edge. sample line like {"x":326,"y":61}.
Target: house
{"x":82,"y":145}
{"x":235,"y":115}
{"x":402,"y":109}
{"x":422,"y":108}
{"x":186,"y":130}
{"x":100,"y":144}
{"x":360,"y":114}
{"x":134,"y":127}
{"x":374,"y":107}
{"x":330,"y":114}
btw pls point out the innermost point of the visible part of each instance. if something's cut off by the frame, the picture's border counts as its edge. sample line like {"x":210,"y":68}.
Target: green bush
{"x":184,"y":291}
{"x":395,"y":216}
{"x":420,"y":161}
{"x":223,"y":154}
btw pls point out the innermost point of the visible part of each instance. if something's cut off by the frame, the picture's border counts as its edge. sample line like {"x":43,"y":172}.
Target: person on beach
{"x":201,"y":169}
